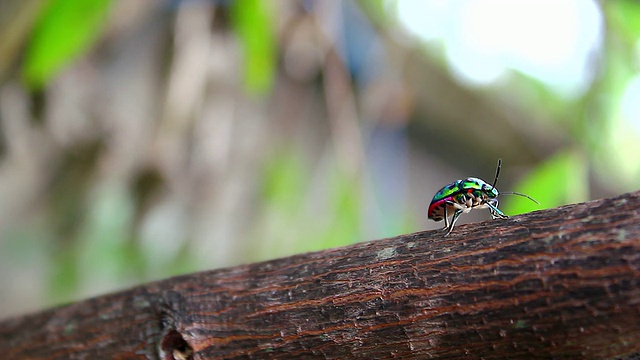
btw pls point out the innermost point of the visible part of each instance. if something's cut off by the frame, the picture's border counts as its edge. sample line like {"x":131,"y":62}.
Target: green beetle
{"x":462,"y":196}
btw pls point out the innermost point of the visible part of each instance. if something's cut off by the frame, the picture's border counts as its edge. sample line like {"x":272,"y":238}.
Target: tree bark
{"x":559,"y":283}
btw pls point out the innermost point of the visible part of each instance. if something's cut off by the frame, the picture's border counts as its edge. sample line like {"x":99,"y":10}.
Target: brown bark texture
{"x":560,"y":283}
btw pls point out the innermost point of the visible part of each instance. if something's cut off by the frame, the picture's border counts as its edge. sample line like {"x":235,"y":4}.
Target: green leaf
{"x":560,"y":180}
{"x":66,"y":29}
{"x":253,"y":25}
{"x":624,"y":15}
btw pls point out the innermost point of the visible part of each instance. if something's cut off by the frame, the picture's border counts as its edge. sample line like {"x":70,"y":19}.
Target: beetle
{"x":462,"y":196}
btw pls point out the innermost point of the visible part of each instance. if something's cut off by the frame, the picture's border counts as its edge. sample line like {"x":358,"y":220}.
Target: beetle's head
{"x":490,"y":191}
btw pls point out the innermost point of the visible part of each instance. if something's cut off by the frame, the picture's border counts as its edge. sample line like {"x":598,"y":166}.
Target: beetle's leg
{"x":455,"y":217}
{"x":495,"y":212}
{"x":446,"y":216}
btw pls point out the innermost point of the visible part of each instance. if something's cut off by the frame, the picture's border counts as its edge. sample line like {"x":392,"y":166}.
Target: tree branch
{"x":560,"y":283}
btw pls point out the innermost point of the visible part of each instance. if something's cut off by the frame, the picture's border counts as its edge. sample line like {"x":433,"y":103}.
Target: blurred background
{"x":141,"y":139}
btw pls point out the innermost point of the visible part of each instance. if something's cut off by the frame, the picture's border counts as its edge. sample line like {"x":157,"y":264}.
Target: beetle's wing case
{"x":440,"y":199}
{"x":448,"y":190}
{"x":436,"y":209}
{"x":473,"y":183}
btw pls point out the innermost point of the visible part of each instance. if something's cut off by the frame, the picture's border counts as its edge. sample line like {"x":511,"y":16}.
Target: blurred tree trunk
{"x":560,"y":283}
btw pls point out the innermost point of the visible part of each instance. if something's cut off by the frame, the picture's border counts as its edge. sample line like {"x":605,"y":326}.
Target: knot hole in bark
{"x":175,"y":347}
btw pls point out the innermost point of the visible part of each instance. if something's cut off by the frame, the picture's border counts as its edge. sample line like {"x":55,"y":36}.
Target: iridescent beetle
{"x":462,"y":196}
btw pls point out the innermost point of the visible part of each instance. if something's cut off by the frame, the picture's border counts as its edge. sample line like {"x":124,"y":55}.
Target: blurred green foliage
{"x":561,"y":179}
{"x":288,"y":198}
{"x":623,"y":16}
{"x":253,"y":26}
{"x":66,"y":29}
{"x":601,"y":139}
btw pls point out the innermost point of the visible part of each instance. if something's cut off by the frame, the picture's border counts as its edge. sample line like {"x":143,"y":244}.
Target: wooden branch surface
{"x":559,"y":283}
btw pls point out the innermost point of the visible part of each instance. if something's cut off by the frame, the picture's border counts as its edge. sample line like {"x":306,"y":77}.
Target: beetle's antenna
{"x":520,"y":194}
{"x":495,"y":181}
